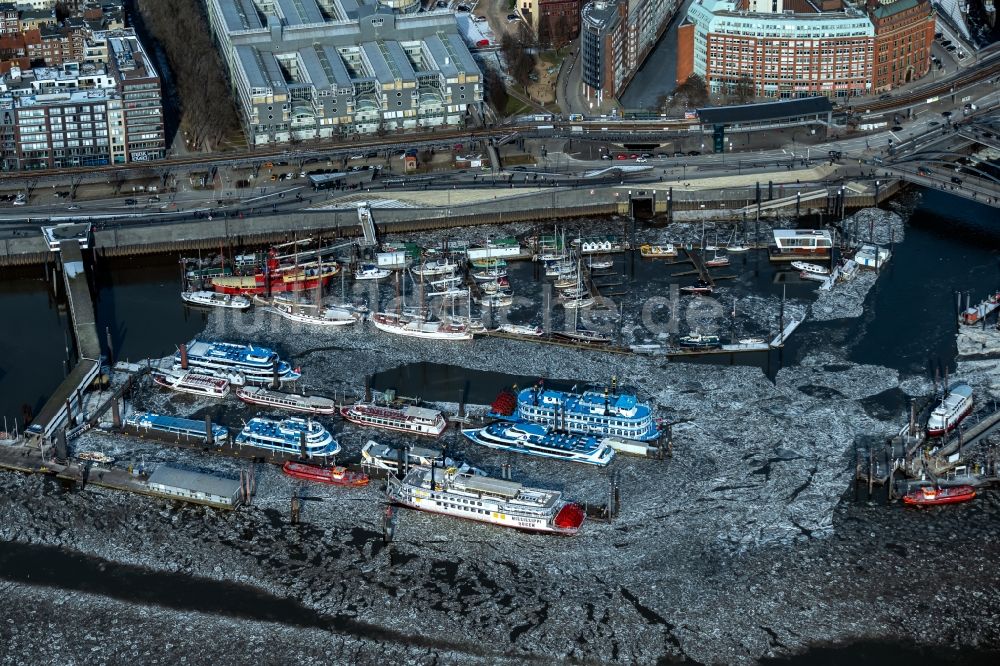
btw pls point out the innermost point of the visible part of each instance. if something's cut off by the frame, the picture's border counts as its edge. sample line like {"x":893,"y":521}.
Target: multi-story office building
{"x":797,"y":48}
{"x":106,"y":111}
{"x":303,"y":69}
{"x":615,"y":38}
{"x":552,"y":21}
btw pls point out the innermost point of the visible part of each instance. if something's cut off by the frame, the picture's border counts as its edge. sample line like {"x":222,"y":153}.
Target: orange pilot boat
{"x":931,"y":496}
{"x":337,"y":476}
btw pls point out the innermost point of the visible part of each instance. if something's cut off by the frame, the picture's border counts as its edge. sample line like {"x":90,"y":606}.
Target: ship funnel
{"x":184,"y":356}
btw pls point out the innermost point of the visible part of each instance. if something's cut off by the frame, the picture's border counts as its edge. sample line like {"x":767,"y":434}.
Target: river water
{"x":908,"y":323}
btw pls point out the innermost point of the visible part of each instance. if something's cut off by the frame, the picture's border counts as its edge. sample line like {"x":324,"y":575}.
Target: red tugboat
{"x":337,"y":476}
{"x":931,"y":496}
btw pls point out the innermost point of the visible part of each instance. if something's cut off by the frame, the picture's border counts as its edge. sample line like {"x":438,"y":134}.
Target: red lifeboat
{"x":931,"y":496}
{"x":337,"y":476}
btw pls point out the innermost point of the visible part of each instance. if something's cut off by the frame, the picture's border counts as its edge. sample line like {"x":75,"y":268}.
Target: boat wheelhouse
{"x":595,"y":411}
{"x":414,"y":420}
{"x":172,"y":425}
{"x":296,"y":436}
{"x":257,"y":364}
{"x":507,"y":503}
{"x":535,"y":439}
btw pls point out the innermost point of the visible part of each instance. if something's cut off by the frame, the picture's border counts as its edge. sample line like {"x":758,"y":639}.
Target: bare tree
{"x":496,"y":91}
{"x":744,"y":90}
{"x":692,"y":93}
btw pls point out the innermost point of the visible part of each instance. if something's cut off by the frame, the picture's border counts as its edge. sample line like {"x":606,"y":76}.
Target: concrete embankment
{"x":717,"y":198}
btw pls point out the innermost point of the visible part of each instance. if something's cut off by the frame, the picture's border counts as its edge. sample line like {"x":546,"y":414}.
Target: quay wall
{"x":557,"y":203}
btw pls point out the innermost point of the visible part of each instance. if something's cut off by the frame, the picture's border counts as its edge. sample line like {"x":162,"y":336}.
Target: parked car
{"x":462,"y":8}
{"x":640,"y":160}
{"x":620,"y":156}
{"x":694,"y":153}
{"x":513,"y":17}
{"x":130,"y":202}
{"x":605,"y":157}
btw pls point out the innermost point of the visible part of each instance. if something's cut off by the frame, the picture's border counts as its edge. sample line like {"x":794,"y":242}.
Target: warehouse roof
{"x":777,"y":111}
{"x":184,"y":479}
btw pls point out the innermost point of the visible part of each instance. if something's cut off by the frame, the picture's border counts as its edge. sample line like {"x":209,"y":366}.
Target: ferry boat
{"x":523,"y":329}
{"x":809,"y":267}
{"x":414,"y":420}
{"x":796,"y":243}
{"x":658,"y":251}
{"x":175,"y":371}
{"x":955,"y":406}
{"x":388,"y":458}
{"x":931,"y":496}
{"x":192,"y":382}
{"x":331,"y":315}
{"x":593,"y":412}
{"x":508,"y":503}
{"x":95,"y":457}
{"x":286,"y":436}
{"x":371,"y":272}
{"x":215,"y":300}
{"x":309,"y":404}
{"x":257,"y":364}
{"x":416,"y":326}
{"x":699,"y":341}
{"x":337,"y":475}
{"x":172,"y":425}
{"x":535,"y":439}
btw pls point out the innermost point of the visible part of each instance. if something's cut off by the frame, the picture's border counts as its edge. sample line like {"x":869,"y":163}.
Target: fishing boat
{"x":192,"y":382}
{"x":536,"y":439}
{"x":955,"y":406}
{"x":336,"y":476}
{"x":175,"y":427}
{"x":330,"y":315}
{"x":931,"y":496}
{"x":699,"y":287}
{"x":293,"y":435}
{"x":416,"y":326}
{"x":521,"y":329}
{"x":410,"y":419}
{"x":809,"y":267}
{"x":596,"y":411}
{"x":699,"y":341}
{"x":215,"y":300}
{"x":371,"y":272}
{"x":567,"y":280}
{"x":95,"y":457}
{"x":464,"y":495}
{"x":256,"y":364}
{"x":293,"y":402}
{"x":489,"y":274}
{"x":648,"y":251}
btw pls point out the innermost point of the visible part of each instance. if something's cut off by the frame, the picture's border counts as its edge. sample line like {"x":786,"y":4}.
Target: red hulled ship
{"x":337,"y":476}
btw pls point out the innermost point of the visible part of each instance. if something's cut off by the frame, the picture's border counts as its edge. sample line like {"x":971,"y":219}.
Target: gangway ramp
{"x":367,"y":226}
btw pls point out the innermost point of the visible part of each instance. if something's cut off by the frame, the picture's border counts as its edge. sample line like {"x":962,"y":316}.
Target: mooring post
{"x":209,"y":435}
{"x":116,"y":413}
{"x":111,"y":348}
{"x":302,"y":444}
{"x":295,"y":509}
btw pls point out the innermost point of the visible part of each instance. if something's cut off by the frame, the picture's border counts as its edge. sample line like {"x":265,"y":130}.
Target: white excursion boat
{"x":414,"y":420}
{"x":809,"y":267}
{"x":371,"y":272}
{"x":388,"y":458}
{"x":956,"y":405}
{"x":434,"y":268}
{"x":416,"y":326}
{"x":330,"y":315}
{"x":536,"y":439}
{"x":192,"y":382}
{"x":522,"y":329}
{"x":452,"y":492}
{"x":791,"y":243}
{"x":872,"y":256}
{"x":234,"y":377}
{"x":215,"y":300}
{"x":293,"y":402}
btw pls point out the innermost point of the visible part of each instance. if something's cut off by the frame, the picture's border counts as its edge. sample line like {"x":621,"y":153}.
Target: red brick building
{"x":904,"y":32}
